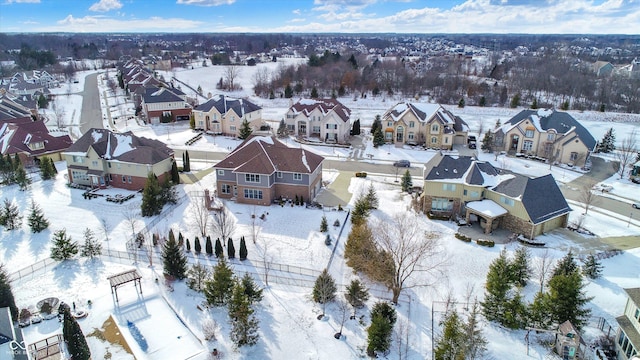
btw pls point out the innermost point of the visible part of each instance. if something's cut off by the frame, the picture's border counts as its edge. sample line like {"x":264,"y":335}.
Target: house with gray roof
{"x":464,"y":187}
{"x":546,"y":134}
{"x":262,"y":170}
{"x":161,"y":104}
{"x":223,"y":115}
{"x":325,"y":119}
{"x":628,"y":335}
{"x":102,"y":158}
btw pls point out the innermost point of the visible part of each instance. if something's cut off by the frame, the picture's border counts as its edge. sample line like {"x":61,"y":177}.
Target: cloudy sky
{"x":309,"y":16}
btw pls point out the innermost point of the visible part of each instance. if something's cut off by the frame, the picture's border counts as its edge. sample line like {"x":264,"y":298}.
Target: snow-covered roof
{"x":487,"y":207}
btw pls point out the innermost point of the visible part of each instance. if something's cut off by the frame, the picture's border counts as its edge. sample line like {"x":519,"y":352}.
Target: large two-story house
{"x":161,"y":104}
{"x":225,"y":115}
{"x":262,"y":170}
{"x":553,"y":135}
{"x":628,"y":336}
{"x":326,"y":119}
{"x":101,"y":158}
{"x":425,"y":124}
{"x":462,"y":186}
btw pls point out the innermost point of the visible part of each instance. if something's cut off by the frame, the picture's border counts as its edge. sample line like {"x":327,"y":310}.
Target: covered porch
{"x":487,"y":210}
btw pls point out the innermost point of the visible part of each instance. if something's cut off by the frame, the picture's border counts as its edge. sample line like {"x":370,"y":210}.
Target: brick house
{"x":425,"y":124}
{"x":161,"y":104}
{"x":325,"y":119}
{"x":101,"y":158}
{"x":262,"y":169}
{"x":628,"y":335}
{"x":462,"y":186}
{"x":224,"y":115}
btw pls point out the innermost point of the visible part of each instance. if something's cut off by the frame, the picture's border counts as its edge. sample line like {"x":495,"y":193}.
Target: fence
{"x":36,"y":267}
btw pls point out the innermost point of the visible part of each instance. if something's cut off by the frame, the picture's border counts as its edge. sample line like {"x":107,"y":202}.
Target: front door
{"x":400,"y":134}
{"x":514,"y":142}
{"x":235,"y":191}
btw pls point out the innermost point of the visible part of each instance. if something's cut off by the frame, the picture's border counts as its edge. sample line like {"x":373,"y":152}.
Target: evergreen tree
{"x":377,"y":124}
{"x":565,"y":266}
{"x":22,"y":179}
{"x":37,"y":221}
{"x":43,"y":103}
{"x":356,"y":295}
{"x":567,"y":299}
{"x":482,"y":102}
{"x":487,"y":142}
{"x":378,"y":138}
{"x":208,"y":246}
{"x":288,"y":92}
{"x":199,"y":90}
{"x":519,"y":267}
{"x":8,"y":170}
{"x":565,"y":105}
{"x":314,"y":93}
{"x":188,"y":245}
{"x":355,"y":129}
{"x":515,"y":315}
{"x":539,"y":311}
{"x":231,"y":250}
{"x":608,"y":143}
{"x":244,"y":324}
{"x":217,"y":290}
{"x":47,"y":168}
{"x":497,"y":288}
{"x":476,"y":343}
{"x":372,"y":197}
{"x":324,"y":289}
{"x":10,"y":215}
{"x":63,"y":247}
{"x":592,"y":267}
{"x":406,"y":183}
{"x":250,"y":289}
{"x":461,"y":103}
{"x":196,"y":245}
{"x":197,"y":276}
{"x":243,"y":249}
{"x":245,"y":130}
{"x":6,"y":294}
{"x":187,"y":164}
{"x":91,"y":246}
{"x":383,"y":317}
{"x":282,"y":129}
{"x":515,"y":101}
{"x":534,"y":104}
{"x":324,"y":224}
{"x":175,"y":262}
{"x":180,"y":239}
{"x":73,"y":336}
{"x":498,"y":124}
{"x":451,"y":344}
{"x":219,"y":250}
{"x":175,"y":175}
{"x":151,"y":204}
{"x":360,"y":248}
{"x":360,"y":211}
{"x":354,"y":63}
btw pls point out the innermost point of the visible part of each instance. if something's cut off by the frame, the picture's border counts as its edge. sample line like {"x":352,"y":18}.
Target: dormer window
{"x":36,"y":145}
{"x":435,"y":128}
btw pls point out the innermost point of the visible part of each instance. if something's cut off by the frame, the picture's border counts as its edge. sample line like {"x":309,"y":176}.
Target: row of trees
{"x":11,"y":219}
{"x":12,"y":171}
{"x":64,"y":248}
{"x":156,"y":196}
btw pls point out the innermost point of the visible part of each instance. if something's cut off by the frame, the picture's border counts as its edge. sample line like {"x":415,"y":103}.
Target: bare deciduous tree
{"x":627,"y":152}
{"x":587,"y":196}
{"x":105,"y":229}
{"x":231,"y":73}
{"x":131,"y":214}
{"x":256,"y":225}
{"x":58,"y":114}
{"x":224,"y":224}
{"x":543,"y":267}
{"x":343,"y":314}
{"x":266,"y":257}
{"x":200,"y":214}
{"x":409,"y":250}
{"x":401,"y":338}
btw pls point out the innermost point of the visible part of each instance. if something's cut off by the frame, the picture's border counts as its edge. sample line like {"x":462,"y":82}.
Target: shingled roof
{"x":266,"y":155}
{"x":224,"y":104}
{"x":464,"y":169}
{"x":124,"y":147}
{"x":306,"y":106}
{"x":424,"y":112}
{"x":160,"y":95}
{"x":15,"y":137}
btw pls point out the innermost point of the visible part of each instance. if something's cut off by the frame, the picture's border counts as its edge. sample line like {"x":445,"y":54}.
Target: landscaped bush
{"x":433,"y":216}
{"x":361,"y":174}
{"x":462,"y":237}
{"x":488,"y":243}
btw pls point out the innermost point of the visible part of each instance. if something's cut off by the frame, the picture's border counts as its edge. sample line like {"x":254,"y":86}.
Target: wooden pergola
{"x":125,"y":277}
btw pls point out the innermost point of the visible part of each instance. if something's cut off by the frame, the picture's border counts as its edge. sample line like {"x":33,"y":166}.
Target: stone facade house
{"x":161,"y":104}
{"x":463,"y":187}
{"x":262,"y":170}
{"x":325,"y":119}
{"x":628,"y":335}
{"x":429,"y":125}
{"x":548,"y":134}
{"x":224,"y":115}
{"x":101,"y":158}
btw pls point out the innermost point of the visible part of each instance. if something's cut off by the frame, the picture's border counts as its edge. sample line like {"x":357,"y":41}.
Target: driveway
{"x":91,"y":114}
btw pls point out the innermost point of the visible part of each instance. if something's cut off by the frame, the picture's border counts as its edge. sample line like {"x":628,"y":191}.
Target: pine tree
{"x":217,"y":290}
{"x":188,"y":245}
{"x":608,"y":143}
{"x":515,"y":315}
{"x":151,"y":205}
{"x":377,"y":124}
{"x":208,"y":246}
{"x":288,"y":91}
{"x":6,"y":294}
{"x":372,"y":197}
{"x":91,"y":246}
{"x":378,"y":138}
{"x":461,"y":103}
{"x":519,"y":267}
{"x":360,"y":248}
{"x":356,"y":295}
{"x":22,"y":179}
{"x":539,"y":311}
{"x":406,"y":182}
{"x":245,"y":130}
{"x":47,"y":168}
{"x":73,"y":336}
{"x":534,"y":104}
{"x":565,"y":266}
{"x":482,"y":102}
{"x":219,"y":250}
{"x":282,"y":129}
{"x":63,"y":247}
{"x":244,"y":324}
{"x":186,"y":162}
{"x":324,"y":224}
{"x":487,"y":142}
{"x":197,"y":276}
{"x":37,"y":222}
{"x":231,"y":250}
{"x":497,"y":288}
{"x":515,"y":101}
{"x":10,"y":215}
{"x":42,"y":102}
{"x":197,"y":247}
{"x":451,"y":344}
{"x":383,"y":317}
{"x":175,"y":175}
{"x":476,"y":343}
{"x":174,"y":261}
{"x":250,"y":289}
{"x":567,"y":299}
{"x":592,"y":267}
{"x":180,"y":240}
{"x":324,"y":290}
{"x":243,"y":249}
{"x":314,"y":93}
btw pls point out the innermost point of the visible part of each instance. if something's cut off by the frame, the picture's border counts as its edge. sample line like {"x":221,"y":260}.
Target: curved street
{"x":91,"y":113}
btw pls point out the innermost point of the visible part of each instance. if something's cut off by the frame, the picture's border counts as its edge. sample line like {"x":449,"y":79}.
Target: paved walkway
{"x":336,"y":193}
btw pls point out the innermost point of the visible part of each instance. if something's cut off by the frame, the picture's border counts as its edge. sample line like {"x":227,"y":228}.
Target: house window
{"x":129,"y":179}
{"x":507,"y":201}
{"x":124,"y":179}
{"x":412,"y":124}
{"x":252,"y":194}
{"x":388,"y":136}
{"x":232,"y":128}
{"x":221,"y":172}
{"x":551,"y":137}
{"x":440,"y":204}
{"x":529,"y":133}
{"x":434,"y":140}
{"x":389,"y":123}
{"x":109,"y":165}
{"x":315,"y":129}
{"x":225,"y":189}
{"x":253,"y":178}
{"x":215,"y":116}
{"x":446,"y":140}
{"x":637,"y":314}
{"x":78,"y":159}
{"x":435,"y":128}
{"x":574,"y":156}
{"x":474,"y":194}
{"x":449,"y":187}
{"x":233,"y":118}
{"x":297,"y":176}
{"x":411,"y":136}
{"x":332,"y":126}
{"x":279,"y":174}
{"x":527,"y":145}
{"x":94,"y":163}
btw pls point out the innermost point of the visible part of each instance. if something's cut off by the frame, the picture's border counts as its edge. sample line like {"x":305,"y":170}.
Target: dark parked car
{"x":472,"y":145}
{"x":402,"y":163}
{"x":636,"y":205}
{"x":471,"y":139}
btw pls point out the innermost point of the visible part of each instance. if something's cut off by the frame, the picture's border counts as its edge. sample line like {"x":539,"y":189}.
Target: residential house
{"x":11,"y":341}
{"x":101,"y":158}
{"x":262,"y":170}
{"x":425,"y":124}
{"x":635,"y":172}
{"x":325,"y":119}
{"x":463,"y":186}
{"x":603,"y":68}
{"x":224,"y":115}
{"x":160,"y":104}
{"x":11,"y":109}
{"x":552,"y":135}
{"x":628,"y":335}
{"x":31,"y":140}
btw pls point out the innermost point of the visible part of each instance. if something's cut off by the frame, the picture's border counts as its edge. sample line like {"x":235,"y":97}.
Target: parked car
{"x":402,"y":163}
{"x":472,"y":145}
{"x":635,"y":205}
{"x":471,"y":139}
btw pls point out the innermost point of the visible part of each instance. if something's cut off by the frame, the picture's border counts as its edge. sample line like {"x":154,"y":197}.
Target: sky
{"x":321,"y":16}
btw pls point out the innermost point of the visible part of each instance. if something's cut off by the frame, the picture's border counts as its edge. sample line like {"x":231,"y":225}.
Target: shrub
{"x":488,"y":243}
{"x":361,"y":174}
{"x":462,"y":237}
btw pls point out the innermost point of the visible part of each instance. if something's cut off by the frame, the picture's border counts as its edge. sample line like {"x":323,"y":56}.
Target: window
{"x":315,"y":129}
{"x":551,"y":137}
{"x":440,"y":204}
{"x":233,"y":118}
{"x":449,"y":187}
{"x":254,"y":178}
{"x":332,"y":126}
{"x":297,"y":176}
{"x":252,"y":194}
{"x":529,"y":133}
{"x":129,"y":179}
{"x":232,"y":128}
{"x":435,"y":128}
{"x":389,"y":123}
{"x":94,"y":163}
{"x":291,"y":127}
{"x":527,"y":145}
{"x":412,"y":124}
{"x":78,"y":159}
{"x":637,"y":314}
{"x":215,"y":116}
{"x":446,"y":140}
{"x":574,"y":156}
{"x":109,"y":165}
{"x":507,"y":201}
{"x":221,"y":172}
{"x":388,"y":136}
{"x":434,"y":140}
{"x":411,"y":136}
{"x":124,"y":179}
{"x":279,"y":174}
{"x":225,"y":189}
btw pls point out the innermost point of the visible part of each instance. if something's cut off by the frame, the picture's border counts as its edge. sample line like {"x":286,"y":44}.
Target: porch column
{"x":487,"y":229}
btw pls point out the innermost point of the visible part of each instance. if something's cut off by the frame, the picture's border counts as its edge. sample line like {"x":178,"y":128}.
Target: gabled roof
{"x":425,"y":112}
{"x":124,"y":147}
{"x":160,"y":95}
{"x":634,"y":295}
{"x":462,"y":169}
{"x":544,"y":120}
{"x":306,"y":106}
{"x":266,"y":155}
{"x":224,"y":104}
{"x":15,"y":137}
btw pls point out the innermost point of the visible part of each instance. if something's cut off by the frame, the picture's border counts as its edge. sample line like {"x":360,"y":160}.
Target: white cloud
{"x":22,"y":1}
{"x":107,"y":24}
{"x":106,"y":5}
{"x":299,"y":20}
{"x":296,"y":11}
{"x":206,"y":2}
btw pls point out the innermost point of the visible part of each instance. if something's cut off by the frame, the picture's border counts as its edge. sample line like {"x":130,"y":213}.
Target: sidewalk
{"x":336,"y":193}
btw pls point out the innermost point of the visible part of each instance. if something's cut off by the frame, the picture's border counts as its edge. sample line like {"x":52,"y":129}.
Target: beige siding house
{"x":222,"y":115}
{"x":628,"y":336}
{"x":325,"y":119}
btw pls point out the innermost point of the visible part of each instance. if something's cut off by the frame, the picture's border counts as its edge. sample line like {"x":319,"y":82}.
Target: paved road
{"x":91,"y":115}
